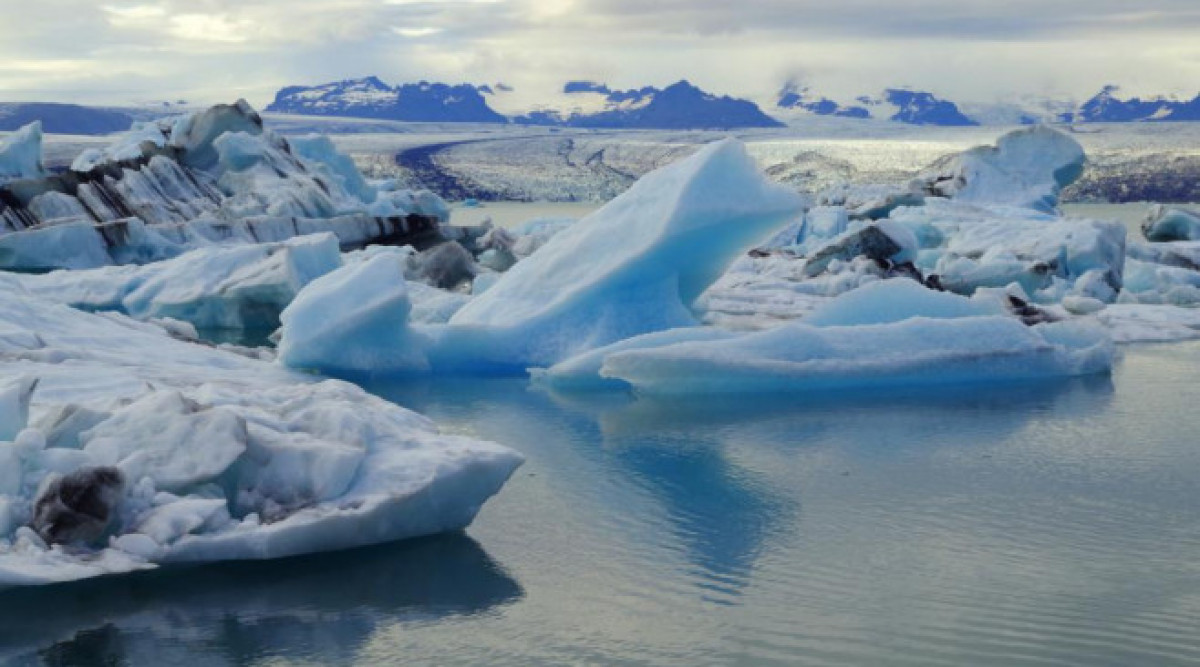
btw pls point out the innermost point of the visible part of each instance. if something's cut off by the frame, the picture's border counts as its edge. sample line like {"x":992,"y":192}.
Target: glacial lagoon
{"x":1048,"y":523}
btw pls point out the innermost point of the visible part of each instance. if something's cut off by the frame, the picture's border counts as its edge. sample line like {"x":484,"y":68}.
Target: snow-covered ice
{"x":889,"y":332}
{"x":217,"y":456}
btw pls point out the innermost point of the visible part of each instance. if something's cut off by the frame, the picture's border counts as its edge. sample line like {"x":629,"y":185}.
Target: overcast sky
{"x":120,"y":51}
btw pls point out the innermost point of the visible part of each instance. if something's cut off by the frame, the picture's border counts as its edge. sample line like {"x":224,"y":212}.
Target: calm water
{"x":1028,"y":524}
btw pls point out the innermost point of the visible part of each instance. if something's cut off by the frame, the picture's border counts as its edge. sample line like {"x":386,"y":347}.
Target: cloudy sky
{"x":121,"y":51}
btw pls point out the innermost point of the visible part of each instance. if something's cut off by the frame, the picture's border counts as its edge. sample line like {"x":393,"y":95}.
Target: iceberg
{"x":928,"y":342}
{"x":635,"y":266}
{"x":1027,"y":168}
{"x":21,"y":154}
{"x":179,"y":183}
{"x":215,"y":287}
{"x":160,"y":451}
{"x":1165,"y":223}
{"x":354,"y":321}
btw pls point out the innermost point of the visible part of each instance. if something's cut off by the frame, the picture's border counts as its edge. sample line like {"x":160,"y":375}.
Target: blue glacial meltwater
{"x":1048,"y":523}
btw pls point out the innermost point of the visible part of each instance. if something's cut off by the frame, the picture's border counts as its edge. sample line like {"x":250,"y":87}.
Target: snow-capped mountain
{"x":795,"y":96}
{"x":1106,"y":107}
{"x":372,"y":98}
{"x":895,"y":104}
{"x":63,"y":118}
{"x":678,"y":106}
{"x":921,"y":108}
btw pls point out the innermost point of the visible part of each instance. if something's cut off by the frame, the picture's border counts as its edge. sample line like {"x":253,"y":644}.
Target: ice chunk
{"x":630,"y":268}
{"x":583,"y":371}
{"x":74,"y":245}
{"x":995,"y":246}
{"x":354,"y":320}
{"x":446,"y":265}
{"x":884,"y":241}
{"x":1164,"y":223}
{"x":319,"y":150}
{"x":916,"y":350}
{"x":1026,"y":168}
{"x":533,"y":234}
{"x":21,"y":154}
{"x":218,"y":287}
{"x":897,"y":300}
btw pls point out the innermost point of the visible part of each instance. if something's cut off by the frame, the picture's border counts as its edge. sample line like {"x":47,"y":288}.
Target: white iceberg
{"x":354,"y":321}
{"x":21,"y":154}
{"x":207,"y":455}
{"x":885,"y":343}
{"x":1027,"y":168}
{"x":215,"y":287}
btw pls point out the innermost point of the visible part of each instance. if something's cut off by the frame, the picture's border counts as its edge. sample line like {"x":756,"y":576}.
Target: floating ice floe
{"x":886,"y":333}
{"x":633,"y":267}
{"x":124,"y":449}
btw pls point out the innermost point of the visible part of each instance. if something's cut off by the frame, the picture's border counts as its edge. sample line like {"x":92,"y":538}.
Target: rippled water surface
{"x":1025,"y":524}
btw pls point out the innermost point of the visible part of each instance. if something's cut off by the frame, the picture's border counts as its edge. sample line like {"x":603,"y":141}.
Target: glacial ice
{"x":216,"y":176}
{"x":21,"y":154}
{"x":354,"y":321}
{"x":1166,"y":223}
{"x":221,"y":456}
{"x":215,"y":287}
{"x":1027,"y":168}
{"x":918,"y":349}
{"x":633,"y":267}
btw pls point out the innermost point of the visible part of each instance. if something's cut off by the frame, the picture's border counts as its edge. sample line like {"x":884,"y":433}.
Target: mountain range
{"x":372,"y":98}
{"x":589,"y":104}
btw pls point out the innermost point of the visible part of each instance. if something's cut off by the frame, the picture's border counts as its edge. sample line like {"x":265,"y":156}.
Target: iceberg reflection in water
{"x":321,"y":608}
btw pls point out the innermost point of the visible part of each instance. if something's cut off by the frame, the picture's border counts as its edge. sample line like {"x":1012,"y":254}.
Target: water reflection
{"x":723,"y":510}
{"x":321,"y":608}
